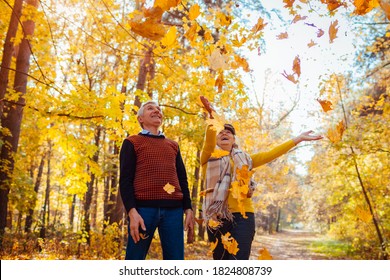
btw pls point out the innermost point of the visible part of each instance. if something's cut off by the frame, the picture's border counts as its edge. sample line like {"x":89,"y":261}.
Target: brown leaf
{"x":297,"y":66}
{"x":298,"y":18}
{"x":333,"y":29}
{"x":259,"y":25}
{"x":282,"y":36}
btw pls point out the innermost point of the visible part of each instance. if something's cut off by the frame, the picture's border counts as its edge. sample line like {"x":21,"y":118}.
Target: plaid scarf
{"x":218,"y":180}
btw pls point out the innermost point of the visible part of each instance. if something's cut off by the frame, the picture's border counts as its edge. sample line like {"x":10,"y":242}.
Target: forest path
{"x":288,"y":245}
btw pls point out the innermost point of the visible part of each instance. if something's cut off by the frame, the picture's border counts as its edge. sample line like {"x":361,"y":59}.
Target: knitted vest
{"x":155,"y":167}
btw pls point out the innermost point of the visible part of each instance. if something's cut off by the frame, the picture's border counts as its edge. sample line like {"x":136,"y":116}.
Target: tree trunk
{"x":90,"y":186}
{"x":46,"y":206}
{"x":8,"y":50}
{"x":11,"y":119}
{"x":278,"y":214}
{"x":29,"y":218}
{"x":71,"y":212}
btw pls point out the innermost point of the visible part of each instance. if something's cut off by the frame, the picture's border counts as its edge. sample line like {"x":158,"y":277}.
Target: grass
{"x":333,"y":249}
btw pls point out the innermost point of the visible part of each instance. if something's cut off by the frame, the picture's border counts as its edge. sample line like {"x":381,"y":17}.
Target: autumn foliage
{"x":65,"y":114}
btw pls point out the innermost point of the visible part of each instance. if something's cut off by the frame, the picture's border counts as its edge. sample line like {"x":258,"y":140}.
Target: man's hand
{"x":189,"y":224}
{"x":136,"y":222}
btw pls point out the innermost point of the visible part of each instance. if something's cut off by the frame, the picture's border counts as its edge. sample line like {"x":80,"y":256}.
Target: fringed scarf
{"x":218,"y":180}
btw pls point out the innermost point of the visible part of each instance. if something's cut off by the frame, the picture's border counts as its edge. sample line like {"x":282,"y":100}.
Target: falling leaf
{"x":224,"y":20}
{"x":229,"y":243}
{"x":311,"y":44}
{"x":385,"y":7}
{"x":219,"y":82}
{"x":297,"y":66}
{"x":282,"y":36}
{"x":333,"y":29}
{"x":259,"y":25}
{"x":336,"y":134}
{"x":169,"y":188}
{"x":298,"y":18}
{"x":194,"y":12}
{"x":217,"y":60}
{"x":169,"y":38}
{"x":290,"y":77}
{"x":238,"y":43}
{"x":326,"y":105}
{"x":333,"y":4}
{"x":289,"y":3}
{"x":264,"y":254}
{"x":241,"y":62}
{"x":363,"y":7}
{"x":219,"y":153}
{"x":320,"y":32}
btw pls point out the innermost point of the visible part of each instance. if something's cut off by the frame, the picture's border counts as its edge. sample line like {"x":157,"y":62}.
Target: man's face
{"x":152,"y":116}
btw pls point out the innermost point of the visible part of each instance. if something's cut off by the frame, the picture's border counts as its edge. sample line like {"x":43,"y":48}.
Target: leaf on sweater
{"x":264,"y":254}
{"x":214,"y":224}
{"x":229,"y":243}
{"x":213,"y":245}
{"x":169,"y":188}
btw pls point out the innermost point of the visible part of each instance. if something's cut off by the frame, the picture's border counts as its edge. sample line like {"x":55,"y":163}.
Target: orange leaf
{"x":290,"y":77}
{"x":169,"y":188}
{"x":149,"y":29}
{"x":219,"y":82}
{"x":264,"y":254}
{"x":298,"y":18}
{"x":191,"y":32}
{"x":259,"y":25}
{"x":213,"y":224}
{"x":333,"y":4}
{"x":336,"y":134}
{"x":229,"y":243}
{"x":213,"y":245}
{"x":363,"y":7}
{"x":289,"y":3}
{"x":169,"y":38}
{"x":282,"y":36}
{"x":333,"y":30}
{"x":297,"y":66}
{"x":311,"y":44}
{"x":223,"y":19}
{"x":165,"y":5}
{"x":385,"y":7}
{"x":219,"y":153}
{"x":326,"y":105}
{"x":241,"y":62}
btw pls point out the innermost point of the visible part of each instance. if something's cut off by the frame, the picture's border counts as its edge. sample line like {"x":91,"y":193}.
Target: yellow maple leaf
{"x":169,"y":38}
{"x":333,"y":29}
{"x":336,"y":134}
{"x":243,"y":174}
{"x":169,"y":188}
{"x":223,"y":19}
{"x":264,"y":254}
{"x":194,"y":12}
{"x":259,"y":25}
{"x":241,"y":62}
{"x":229,"y":243}
{"x":219,"y":153}
{"x":238,"y":42}
{"x":326,"y":105}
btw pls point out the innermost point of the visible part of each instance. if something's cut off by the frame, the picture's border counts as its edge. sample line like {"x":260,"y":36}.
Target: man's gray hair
{"x":141,"y":109}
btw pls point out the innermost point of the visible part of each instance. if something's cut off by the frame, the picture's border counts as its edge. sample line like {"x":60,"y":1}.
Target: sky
{"x":317,"y":63}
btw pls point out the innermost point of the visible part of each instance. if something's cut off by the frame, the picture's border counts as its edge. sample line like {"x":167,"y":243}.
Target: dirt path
{"x":287,"y":245}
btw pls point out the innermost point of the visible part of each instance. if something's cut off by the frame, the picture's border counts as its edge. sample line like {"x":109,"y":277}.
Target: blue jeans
{"x":241,"y":229}
{"x":169,"y":222}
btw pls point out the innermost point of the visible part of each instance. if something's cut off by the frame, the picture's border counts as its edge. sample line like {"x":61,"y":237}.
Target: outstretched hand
{"x":307,"y":136}
{"x":207,"y":105}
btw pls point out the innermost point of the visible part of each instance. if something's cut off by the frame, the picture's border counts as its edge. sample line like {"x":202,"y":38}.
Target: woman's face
{"x":225,"y":140}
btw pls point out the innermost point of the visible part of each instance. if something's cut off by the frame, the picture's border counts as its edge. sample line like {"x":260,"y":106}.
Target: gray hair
{"x":141,"y":109}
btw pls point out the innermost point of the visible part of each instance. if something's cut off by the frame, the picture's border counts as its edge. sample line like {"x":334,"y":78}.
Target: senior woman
{"x":230,"y":216}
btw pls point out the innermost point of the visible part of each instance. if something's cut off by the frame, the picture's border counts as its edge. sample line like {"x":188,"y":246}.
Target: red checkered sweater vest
{"x":155,"y":167}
